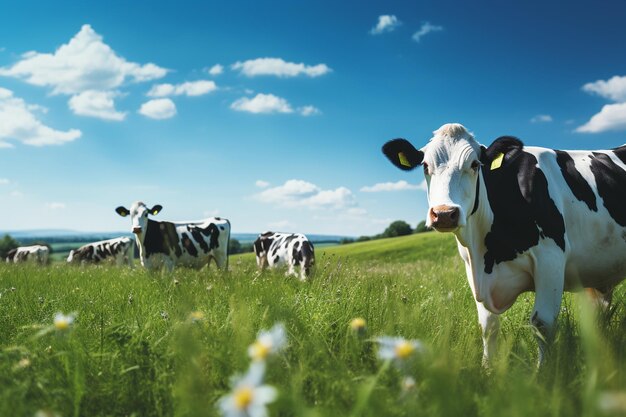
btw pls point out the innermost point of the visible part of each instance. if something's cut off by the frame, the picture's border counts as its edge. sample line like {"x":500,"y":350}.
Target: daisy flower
{"x":63,"y":322}
{"x":268,"y":342}
{"x":248,"y":398}
{"x":398,"y":349}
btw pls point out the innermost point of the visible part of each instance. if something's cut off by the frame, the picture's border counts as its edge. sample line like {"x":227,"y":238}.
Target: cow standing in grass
{"x":36,"y":254}
{"x":290,"y":249}
{"x":170,"y":244}
{"x":525,"y":219}
{"x":119,"y":251}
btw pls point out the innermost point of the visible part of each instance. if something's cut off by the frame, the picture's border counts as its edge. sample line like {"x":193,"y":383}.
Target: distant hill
{"x":65,"y":235}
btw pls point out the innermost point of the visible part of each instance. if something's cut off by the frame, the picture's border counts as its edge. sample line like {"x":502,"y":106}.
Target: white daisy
{"x":398,"y":349}
{"x":268,"y":343}
{"x":63,"y":322}
{"x":248,"y":397}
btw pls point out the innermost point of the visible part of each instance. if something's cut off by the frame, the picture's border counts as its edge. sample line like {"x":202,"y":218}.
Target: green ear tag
{"x":497,"y":161}
{"x":403,"y":160}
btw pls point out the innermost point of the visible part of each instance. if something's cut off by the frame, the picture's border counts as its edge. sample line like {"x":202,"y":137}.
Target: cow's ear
{"x":402,"y":154}
{"x":156,"y":209}
{"x":122,"y":211}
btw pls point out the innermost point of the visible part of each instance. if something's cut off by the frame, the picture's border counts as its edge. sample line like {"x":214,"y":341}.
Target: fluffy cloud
{"x":192,"y":88}
{"x":541,"y":118}
{"x":216,"y":69}
{"x":84,"y":63}
{"x":611,"y":117}
{"x":298,"y":193}
{"x":612,"y":89}
{"x":309,"y":111}
{"x":17,"y":122}
{"x":394,"y":186}
{"x":99,"y":104}
{"x":161,"y":108}
{"x":279,"y":68}
{"x":386,"y":23}
{"x":262,"y":184}
{"x":262,"y":103}
{"x":425,"y":30}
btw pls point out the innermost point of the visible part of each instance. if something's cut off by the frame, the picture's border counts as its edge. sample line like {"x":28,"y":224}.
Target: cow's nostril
{"x":454,"y":215}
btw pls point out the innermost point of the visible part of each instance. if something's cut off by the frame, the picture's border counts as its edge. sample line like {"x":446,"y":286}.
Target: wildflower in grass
{"x":248,"y":397}
{"x":63,"y":322}
{"x":358,"y":325}
{"x":268,"y":343}
{"x":408,"y":384}
{"x":398,"y":349}
{"x":196,"y":316}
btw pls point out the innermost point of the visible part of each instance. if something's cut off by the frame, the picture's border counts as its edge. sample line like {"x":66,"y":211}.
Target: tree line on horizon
{"x":395,"y":229}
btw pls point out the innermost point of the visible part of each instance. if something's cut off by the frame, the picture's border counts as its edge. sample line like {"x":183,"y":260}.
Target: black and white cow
{"x":290,"y":249}
{"x":36,"y":254}
{"x":119,"y":250}
{"x":169,"y":244}
{"x":525,"y":219}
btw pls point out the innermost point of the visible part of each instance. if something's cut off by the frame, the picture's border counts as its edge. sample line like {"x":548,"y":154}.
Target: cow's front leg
{"x":549,"y":280}
{"x":490,"y":326}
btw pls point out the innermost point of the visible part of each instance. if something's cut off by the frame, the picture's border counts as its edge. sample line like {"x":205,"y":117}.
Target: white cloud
{"x":279,"y":68}
{"x":161,"y":108}
{"x":17,"y":122}
{"x":192,"y":88}
{"x":4,"y":181}
{"x":611,"y":117}
{"x":394,"y":186}
{"x":216,"y":69}
{"x":262,"y":184}
{"x":84,"y":63}
{"x":16,"y":194}
{"x":99,"y":104}
{"x":262,"y":103}
{"x":425,"y":30}
{"x":298,"y":193}
{"x":386,"y":23}
{"x":612,"y":89}
{"x":541,"y":118}
{"x":309,"y":111}
{"x":55,"y":206}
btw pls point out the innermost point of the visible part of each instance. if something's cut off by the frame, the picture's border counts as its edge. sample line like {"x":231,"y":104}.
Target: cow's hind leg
{"x":490,"y":326}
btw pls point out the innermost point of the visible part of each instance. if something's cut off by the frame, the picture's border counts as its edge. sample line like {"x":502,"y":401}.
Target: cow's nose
{"x":444,"y":217}
{"x":136,"y":230}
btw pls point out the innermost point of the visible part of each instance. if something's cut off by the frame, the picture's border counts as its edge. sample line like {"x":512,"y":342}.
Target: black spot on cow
{"x":522,"y":208}
{"x":196,"y":233}
{"x":575,"y":181}
{"x":611,"y":182}
{"x":276,"y":259}
{"x":221,"y":227}
{"x":11,"y":255}
{"x":621,"y":153}
{"x":188,"y":245}
{"x":161,"y":237}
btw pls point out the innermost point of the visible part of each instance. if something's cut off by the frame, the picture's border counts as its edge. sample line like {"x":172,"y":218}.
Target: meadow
{"x":155,"y":344}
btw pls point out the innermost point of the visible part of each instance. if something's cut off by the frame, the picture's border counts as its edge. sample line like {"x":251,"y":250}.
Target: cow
{"x":170,"y":244}
{"x":525,"y":219}
{"x":292,"y":249}
{"x":36,"y":254}
{"x":119,"y":250}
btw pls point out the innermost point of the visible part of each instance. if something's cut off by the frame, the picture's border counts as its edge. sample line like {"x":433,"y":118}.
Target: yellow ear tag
{"x":497,"y":161}
{"x":403,"y":160}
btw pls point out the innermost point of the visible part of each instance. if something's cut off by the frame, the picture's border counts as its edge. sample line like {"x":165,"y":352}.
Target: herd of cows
{"x":164,"y":244}
{"x":524,"y":218}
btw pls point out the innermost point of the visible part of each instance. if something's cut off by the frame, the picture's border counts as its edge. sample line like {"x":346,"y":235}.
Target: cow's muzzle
{"x":136,"y":230}
{"x":444,"y":218}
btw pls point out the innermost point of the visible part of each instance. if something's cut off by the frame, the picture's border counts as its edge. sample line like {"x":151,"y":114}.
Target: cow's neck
{"x":471,"y":238}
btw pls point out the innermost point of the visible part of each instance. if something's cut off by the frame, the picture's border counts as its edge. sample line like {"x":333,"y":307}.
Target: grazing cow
{"x":292,"y":249}
{"x":168,"y":244}
{"x":36,"y":253}
{"x":119,"y":250}
{"x":525,"y":219}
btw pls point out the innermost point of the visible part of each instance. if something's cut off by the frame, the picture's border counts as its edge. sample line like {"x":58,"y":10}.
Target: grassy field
{"x":133,"y":350}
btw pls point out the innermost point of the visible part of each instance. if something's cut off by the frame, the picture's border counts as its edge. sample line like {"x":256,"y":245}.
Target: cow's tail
{"x":308,"y":257}
{"x":227,"y":246}
{"x":70,"y":257}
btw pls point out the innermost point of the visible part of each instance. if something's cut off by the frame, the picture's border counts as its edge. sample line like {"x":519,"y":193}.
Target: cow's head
{"x":138,"y":215}
{"x":451,"y":161}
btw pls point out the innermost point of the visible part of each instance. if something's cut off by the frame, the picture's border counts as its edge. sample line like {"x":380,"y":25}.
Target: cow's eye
{"x":475,"y":165}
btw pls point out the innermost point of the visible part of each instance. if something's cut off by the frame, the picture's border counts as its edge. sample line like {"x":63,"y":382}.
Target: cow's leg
{"x":549,"y":279}
{"x":490,"y":326}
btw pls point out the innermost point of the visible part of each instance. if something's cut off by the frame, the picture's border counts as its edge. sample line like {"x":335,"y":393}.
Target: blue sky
{"x":104,"y":104}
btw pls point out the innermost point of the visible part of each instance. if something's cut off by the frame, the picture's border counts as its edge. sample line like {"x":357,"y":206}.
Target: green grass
{"x":133,"y":352}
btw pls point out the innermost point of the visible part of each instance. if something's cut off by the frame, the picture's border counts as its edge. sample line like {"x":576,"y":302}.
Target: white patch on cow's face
{"x":451,"y":165}
{"x":139,"y":218}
